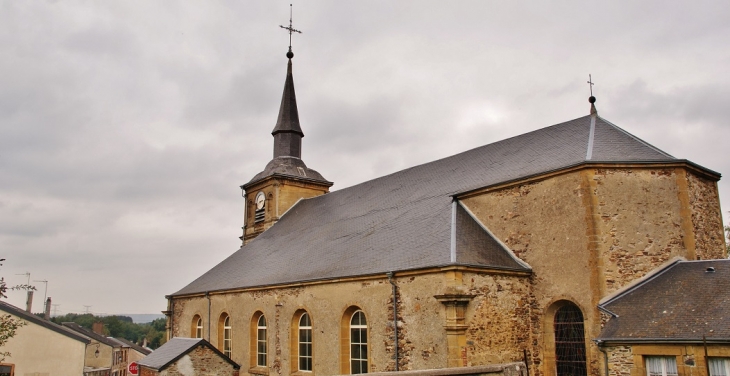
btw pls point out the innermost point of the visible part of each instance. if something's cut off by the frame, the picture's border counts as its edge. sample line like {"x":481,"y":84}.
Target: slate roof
{"x":175,"y":349}
{"x":136,"y":347}
{"x":15,"y":311}
{"x":91,"y":334}
{"x":288,"y":166}
{"x":403,"y":221}
{"x":678,"y":303}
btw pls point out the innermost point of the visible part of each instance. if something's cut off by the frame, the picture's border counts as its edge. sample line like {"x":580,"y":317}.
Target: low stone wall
{"x":508,"y":369}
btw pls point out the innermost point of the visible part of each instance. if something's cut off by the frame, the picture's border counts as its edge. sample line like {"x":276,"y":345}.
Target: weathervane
{"x":291,"y":30}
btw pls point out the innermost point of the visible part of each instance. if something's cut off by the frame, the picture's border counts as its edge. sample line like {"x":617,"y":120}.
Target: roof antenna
{"x":592,"y":99}
{"x":291,"y":30}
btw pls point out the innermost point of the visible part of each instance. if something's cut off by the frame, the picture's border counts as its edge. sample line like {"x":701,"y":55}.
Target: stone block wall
{"x":201,"y":361}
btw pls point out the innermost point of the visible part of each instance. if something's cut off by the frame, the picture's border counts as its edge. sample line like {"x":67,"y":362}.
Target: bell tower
{"x":285,"y":179}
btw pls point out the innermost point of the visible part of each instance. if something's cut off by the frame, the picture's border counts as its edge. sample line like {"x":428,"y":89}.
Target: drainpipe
{"x":395,"y":317}
{"x":605,"y":356}
{"x":207,"y":295}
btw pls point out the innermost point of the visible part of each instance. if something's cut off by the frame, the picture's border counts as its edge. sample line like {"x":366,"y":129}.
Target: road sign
{"x":133,"y":368}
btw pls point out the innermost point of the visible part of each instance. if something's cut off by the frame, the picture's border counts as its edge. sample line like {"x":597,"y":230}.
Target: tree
{"x":8,"y":325}
{"x":727,"y":242}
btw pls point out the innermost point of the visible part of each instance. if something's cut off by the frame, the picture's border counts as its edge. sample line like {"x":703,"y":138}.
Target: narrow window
{"x":224,"y":334}
{"x":358,"y":343}
{"x":305,"y":343}
{"x":570,"y":346}
{"x":199,"y":328}
{"x":261,"y":342}
{"x":661,"y":366}
{"x":719,"y":366}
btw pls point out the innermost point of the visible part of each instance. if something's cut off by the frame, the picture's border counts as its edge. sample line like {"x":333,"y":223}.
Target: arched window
{"x":305,"y":343}
{"x":196,"y":330}
{"x":224,"y":334}
{"x":261,"y":342}
{"x":570,"y":346}
{"x":358,"y":343}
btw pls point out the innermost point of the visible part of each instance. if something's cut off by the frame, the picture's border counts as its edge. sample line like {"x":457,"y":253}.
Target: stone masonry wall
{"x":421,"y":319}
{"x":499,"y":319}
{"x":706,"y":218}
{"x":640,"y":222}
{"x":545,"y":224}
{"x":620,"y":360}
{"x":201,"y":361}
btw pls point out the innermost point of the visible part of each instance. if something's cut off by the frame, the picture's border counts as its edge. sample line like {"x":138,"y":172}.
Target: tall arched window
{"x":305,"y":343}
{"x":570,"y":346}
{"x":261,"y":342}
{"x":358,"y":343}
{"x":196,"y":330}
{"x":224,"y":334}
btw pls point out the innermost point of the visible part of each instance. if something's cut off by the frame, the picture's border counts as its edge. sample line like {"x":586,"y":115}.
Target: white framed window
{"x":305,"y":343}
{"x":199,"y":328}
{"x":358,"y":343}
{"x":261,"y":342}
{"x":227,"y":336}
{"x":661,"y":366}
{"x":719,"y":366}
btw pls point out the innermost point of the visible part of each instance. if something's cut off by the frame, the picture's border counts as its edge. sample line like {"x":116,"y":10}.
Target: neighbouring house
{"x":674,"y":321}
{"x":105,"y":356}
{"x":42,"y":347}
{"x":136,"y":352}
{"x":495,"y":255}
{"x":187,"y":357}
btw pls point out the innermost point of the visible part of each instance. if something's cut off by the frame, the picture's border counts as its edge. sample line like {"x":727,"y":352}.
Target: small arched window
{"x":305,"y":343}
{"x":261,"y":342}
{"x":358,"y":343}
{"x":224,"y":334}
{"x":196,"y":327}
{"x":570,"y":346}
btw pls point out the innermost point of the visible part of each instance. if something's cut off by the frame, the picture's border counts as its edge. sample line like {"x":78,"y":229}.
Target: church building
{"x":498,"y":254}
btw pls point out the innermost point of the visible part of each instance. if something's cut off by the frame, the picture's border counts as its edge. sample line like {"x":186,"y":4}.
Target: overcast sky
{"x":126,"y":127}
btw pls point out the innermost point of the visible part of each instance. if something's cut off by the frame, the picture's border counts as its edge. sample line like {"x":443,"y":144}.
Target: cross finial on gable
{"x":291,"y":30}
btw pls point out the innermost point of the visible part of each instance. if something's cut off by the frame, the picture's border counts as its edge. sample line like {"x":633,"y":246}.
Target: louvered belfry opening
{"x":570,"y":346}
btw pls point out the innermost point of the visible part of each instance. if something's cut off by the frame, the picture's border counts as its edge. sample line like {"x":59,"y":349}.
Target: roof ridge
{"x":660,"y":151}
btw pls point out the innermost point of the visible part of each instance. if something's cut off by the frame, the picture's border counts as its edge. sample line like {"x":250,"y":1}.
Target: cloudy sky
{"x":126,"y":127}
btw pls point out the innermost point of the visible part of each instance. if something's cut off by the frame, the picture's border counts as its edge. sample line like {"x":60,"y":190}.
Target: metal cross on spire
{"x":590,"y":83}
{"x":291,"y":31}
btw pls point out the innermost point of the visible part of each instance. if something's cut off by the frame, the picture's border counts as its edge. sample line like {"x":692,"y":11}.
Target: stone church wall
{"x":587,"y":233}
{"x":493,"y":335}
{"x":706,"y":218}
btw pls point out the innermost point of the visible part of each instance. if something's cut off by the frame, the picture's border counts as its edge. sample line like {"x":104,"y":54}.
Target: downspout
{"x":207,"y":295}
{"x":605,"y":356}
{"x":395,"y":318}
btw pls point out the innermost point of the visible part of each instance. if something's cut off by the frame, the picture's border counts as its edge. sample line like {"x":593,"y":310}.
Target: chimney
{"x":98,"y":327}
{"x":29,"y":302}
{"x":47,"y":314}
{"x":144,"y":342}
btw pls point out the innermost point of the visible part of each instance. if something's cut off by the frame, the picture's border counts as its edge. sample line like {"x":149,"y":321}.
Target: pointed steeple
{"x":287,"y":132}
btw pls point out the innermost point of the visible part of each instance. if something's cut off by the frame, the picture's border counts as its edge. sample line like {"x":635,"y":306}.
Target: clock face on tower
{"x":260,"y":200}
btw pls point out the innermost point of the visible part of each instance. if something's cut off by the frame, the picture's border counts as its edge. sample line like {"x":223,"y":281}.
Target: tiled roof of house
{"x":15,"y":311}
{"x":176,"y":348}
{"x":403,"y":221}
{"x":680,"y":302}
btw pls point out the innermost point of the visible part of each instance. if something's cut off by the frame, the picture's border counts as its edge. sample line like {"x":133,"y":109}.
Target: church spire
{"x":287,"y":132}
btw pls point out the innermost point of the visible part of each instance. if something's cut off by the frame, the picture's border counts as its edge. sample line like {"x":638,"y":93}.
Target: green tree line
{"x":121,"y":327}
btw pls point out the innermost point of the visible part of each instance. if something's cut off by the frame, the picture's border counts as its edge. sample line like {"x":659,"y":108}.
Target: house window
{"x":305,"y":343}
{"x":261,"y":342}
{"x":197,"y":327}
{"x":661,"y":366}
{"x":719,"y":366}
{"x":7,"y":369}
{"x":224,"y":334}
{"x":570,"y":347}
{"x":358,"y":343}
